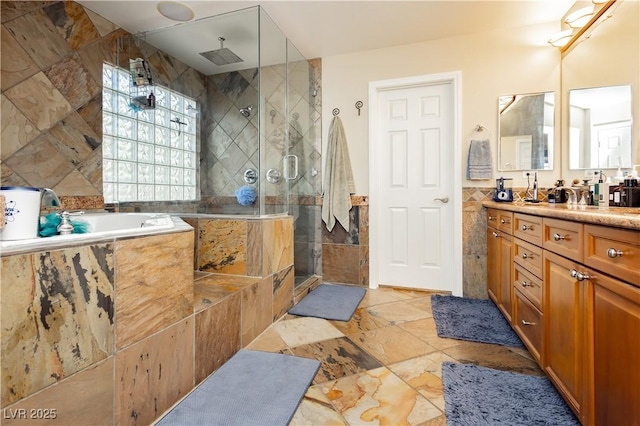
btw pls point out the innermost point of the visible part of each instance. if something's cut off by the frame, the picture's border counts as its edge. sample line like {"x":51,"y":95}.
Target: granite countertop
{"x":621,"y":217}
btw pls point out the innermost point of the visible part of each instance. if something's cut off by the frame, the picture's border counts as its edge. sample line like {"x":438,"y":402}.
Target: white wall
{"x":492,"y":64}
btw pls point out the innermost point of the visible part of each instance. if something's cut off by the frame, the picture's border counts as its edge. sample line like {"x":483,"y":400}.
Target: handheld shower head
{"x":246,"y":111}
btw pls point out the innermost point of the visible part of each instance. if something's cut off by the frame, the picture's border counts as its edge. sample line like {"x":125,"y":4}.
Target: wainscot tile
{"x":59,"y":306}
{"x":92,"y":392}
{"x":154,"y":278}
{"x":154,"y":374}
{"x":217,"y":335}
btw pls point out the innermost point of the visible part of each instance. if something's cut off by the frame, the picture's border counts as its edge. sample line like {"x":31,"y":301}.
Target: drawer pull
{"x":528,"y":322}
{"x":558,"y":237}
{"x":502,"y":221}
{"x":495,"y":234}
{"x":527,"y":227}
{"x":492,"y":218}
{"x":613,"y":253}
{"x":579,"y":276}
{"x":527,"y":256}
{"x":526,"y":284}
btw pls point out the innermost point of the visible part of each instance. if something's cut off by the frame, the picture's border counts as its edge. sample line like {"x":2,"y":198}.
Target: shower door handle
{"x":287,"y":167}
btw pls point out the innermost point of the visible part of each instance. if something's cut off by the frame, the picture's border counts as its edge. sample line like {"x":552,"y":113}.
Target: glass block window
{"x":149,"y":155}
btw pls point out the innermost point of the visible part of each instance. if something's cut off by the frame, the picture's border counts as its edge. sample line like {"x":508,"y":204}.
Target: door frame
{"x":375,"y":87}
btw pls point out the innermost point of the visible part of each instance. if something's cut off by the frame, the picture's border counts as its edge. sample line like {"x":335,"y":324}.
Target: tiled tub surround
{"x":248,"y":247}
{"x":125,"y":327}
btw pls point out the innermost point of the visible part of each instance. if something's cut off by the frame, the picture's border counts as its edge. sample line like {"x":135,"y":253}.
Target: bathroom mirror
{"x":600,"y":84}
{"x":526,"y":129}
{"x":600,"y":127}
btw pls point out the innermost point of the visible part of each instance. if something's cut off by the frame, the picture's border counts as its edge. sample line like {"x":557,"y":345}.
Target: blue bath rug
{"x":475,"y":395}
{"x":330,"y":301}
{"x":252,"y":388}
{"x":477,"y":320}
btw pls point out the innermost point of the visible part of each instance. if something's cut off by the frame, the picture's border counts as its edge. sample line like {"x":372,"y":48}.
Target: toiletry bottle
{"x":151,"y":101}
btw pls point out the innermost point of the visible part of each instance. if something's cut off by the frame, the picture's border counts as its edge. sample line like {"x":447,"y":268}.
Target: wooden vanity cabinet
{"x":566,"y":329}
{"x":576,"y":306}
{"x":499,"y":260}
{"x":616,"y":351}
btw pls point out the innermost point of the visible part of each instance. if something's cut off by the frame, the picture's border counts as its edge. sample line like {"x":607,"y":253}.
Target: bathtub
{"x":102,"y":226}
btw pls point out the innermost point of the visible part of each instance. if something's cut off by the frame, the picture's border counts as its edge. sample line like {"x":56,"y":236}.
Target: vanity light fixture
{"x":561,"y":38}
{"x":599,"y":1}
{"x":580,"y":17}
{"x":175,"y":11}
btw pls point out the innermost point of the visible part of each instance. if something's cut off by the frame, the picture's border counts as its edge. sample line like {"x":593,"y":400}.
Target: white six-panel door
{"x":413,"y":188}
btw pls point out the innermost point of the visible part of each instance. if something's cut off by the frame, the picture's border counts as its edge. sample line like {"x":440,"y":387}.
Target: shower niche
{"x":257,"y":118}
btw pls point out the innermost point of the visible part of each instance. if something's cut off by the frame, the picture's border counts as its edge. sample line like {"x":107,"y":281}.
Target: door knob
{"x":443,"y":199}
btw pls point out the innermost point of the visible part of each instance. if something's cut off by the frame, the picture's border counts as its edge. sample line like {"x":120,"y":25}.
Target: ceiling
{"x":327,"y":28}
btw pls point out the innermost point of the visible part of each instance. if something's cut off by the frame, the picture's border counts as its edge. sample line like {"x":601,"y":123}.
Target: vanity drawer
{"x":501,"y":220}
{"x":563,"y":237}
{"x":528,"y":256}
{"x":613,"y":251}
{"x":528,"y":228}
{"x":527,"y":321}
{"x":528,"y":284}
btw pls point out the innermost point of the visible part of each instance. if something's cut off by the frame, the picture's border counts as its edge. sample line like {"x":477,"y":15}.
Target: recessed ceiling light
{"x":174,"y":10}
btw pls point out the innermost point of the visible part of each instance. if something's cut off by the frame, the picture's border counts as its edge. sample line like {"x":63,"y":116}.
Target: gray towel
{"x":479,"y":161}
{"x":338,"y":179}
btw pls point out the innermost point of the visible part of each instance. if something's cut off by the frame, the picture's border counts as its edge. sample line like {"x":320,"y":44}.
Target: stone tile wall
{"x":52,"y":54}
{"x":345,"y":254}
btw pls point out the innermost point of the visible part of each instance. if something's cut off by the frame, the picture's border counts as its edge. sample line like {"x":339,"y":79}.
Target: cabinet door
{"x":505,"y":302}
{"x":493,"y":264}
{"x":499,"y":270}
{"x":565,"y":346}
{"x":616,"y":355}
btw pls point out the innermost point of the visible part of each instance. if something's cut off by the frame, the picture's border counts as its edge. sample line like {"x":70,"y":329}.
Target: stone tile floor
{"x":384,"y":365}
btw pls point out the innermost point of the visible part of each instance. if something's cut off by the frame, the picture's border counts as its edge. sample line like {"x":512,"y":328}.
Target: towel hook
{"x":359,"y":105}
{"x":296,"y":115}
{"x":479,"y":128}
{"x":335,"y":111}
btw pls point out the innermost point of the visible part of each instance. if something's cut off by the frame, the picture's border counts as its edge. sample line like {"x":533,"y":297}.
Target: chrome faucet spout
{"x":574,"y":199}
{"x":49,"y":198}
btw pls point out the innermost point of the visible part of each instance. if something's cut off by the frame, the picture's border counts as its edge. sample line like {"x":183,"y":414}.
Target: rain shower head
{"x":246,"y":111}
{"x":222,"y":56}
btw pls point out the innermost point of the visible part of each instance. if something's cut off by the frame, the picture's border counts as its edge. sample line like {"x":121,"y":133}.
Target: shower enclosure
{"x":252,"y":100}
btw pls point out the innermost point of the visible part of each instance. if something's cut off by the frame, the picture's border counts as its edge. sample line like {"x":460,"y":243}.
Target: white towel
{"x":479,"y":162}
{"x":338,"y":178}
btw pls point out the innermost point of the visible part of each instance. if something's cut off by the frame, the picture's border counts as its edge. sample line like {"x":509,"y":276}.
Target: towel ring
{"x":480,"y":128}
{"x":335,"y":112}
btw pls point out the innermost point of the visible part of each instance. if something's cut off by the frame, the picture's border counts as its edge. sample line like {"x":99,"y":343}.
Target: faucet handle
{"x":66,"y":227}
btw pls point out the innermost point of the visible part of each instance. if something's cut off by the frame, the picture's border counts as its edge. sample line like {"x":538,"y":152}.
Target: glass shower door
{"x":304,"y":162}
{"x":273,"y":133}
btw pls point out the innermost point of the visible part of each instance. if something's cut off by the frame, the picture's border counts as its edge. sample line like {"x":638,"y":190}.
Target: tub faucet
{"x":49,"y":198}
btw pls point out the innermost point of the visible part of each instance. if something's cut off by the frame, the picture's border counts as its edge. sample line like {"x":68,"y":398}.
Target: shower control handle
{"x":287,"y":166}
